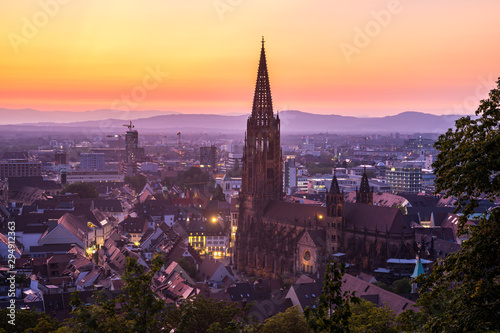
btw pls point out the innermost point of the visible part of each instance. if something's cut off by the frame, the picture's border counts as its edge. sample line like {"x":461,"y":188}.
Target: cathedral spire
{"x":365,"y":186}
{"x":334,"y":188}
{"x":262,"y":108}
{"x":365,"y":194}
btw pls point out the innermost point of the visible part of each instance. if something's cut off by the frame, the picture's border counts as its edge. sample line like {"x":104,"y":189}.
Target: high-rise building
{"x":131,"y":150}
{"x":404,"y":179}
{"x":131,"y":144}
{"x":61,"y":157}
{"x":92,"y":162}
{"x":290,"y":175}
{"x":208,"y":156}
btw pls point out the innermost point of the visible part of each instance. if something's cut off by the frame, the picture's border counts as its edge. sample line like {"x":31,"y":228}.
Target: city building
{"x":420,"y":144}
{"x":290,"y":175}
{"x":92,"y":161}
{"x":208,"y":156}
{"x":61,"y":157}
{"x":232,"y":159}
{"x":132,"y":150}
{"x":19,"y":167}
{"x":404,"y":179}
{"x":93,"y":176}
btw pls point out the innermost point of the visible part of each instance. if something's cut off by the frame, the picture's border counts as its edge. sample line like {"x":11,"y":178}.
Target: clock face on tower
{"x":307,"y":255}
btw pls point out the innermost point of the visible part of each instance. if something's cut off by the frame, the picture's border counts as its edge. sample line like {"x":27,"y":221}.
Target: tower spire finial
{"x":263,"y":41}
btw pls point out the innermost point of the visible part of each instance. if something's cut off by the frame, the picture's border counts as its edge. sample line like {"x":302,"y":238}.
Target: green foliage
{"x":167,"y":181}
{"x":320,"y":167}
{"x":192,"y":177}
{"x":187,"y":266}
{"x":290,"y":321}
{"x":137,"y":182}
{"x":98,"y":317}
{"x":461,"y":293}
{"x":199,"y":314}
{"x":410,"y":321}
{"x":402,"y":286}
{"x":334,"y":307}
{"x":367,"y":317}
{"x":468,"y":163}
{"x":27,"y":321}
{"x":84,"y":190}
{"x":140,"y":305}
{"x":218,"y":194}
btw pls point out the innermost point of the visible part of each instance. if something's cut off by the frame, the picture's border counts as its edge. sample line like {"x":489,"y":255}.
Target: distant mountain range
{"x":110,"y":121}
{"x":21,"y":116}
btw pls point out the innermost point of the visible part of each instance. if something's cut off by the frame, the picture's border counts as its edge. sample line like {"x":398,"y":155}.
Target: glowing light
{"x":214,"y":219}
{"x":320,"y":217}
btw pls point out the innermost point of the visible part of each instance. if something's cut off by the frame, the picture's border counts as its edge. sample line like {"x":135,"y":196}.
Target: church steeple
{"x":262,"y":108}
{"x":365,"y":194}
{"x":334,"y":199}
{"x":334,"y":188}
{"x":262,"y":164}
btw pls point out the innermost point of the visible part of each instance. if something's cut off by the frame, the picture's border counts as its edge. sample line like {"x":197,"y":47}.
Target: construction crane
{"x":130,"y":126}
{"x":119,"y":136}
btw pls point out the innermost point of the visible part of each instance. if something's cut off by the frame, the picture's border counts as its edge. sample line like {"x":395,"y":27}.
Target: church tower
{"x":334,"y":211}
{"x":365,"y":194}
{"x":262,"y":177}
{"x":262,"y":169}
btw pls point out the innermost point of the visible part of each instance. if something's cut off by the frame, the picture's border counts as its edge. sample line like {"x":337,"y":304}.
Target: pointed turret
{"x":365,"y":194}
{"x":334,"y":199}
{"x":334,"y":188}
{"x":365,"y":186}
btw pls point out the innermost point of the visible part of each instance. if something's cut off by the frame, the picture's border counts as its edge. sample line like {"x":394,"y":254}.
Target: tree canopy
{"x":461,"y":293}
{"x":84,"y":190}
{"x":290,"y":321}
{"x":137,"y":182}
{"x":333,"y":310}
{"x":468,"y":163}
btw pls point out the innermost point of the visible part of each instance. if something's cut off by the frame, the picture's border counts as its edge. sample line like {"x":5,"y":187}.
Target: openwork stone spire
{"x":262,"y":108}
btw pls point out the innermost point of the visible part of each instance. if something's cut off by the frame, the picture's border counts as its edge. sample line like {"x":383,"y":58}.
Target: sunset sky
{"x":359,"y":58}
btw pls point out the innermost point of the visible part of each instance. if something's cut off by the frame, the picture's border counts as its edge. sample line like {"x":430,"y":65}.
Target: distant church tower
{"x":335,"y":210}
{"x":365,"y":194}
{"x":262,"y":169}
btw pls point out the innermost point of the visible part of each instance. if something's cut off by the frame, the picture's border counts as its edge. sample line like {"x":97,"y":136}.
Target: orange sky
{"x":364,"y":57}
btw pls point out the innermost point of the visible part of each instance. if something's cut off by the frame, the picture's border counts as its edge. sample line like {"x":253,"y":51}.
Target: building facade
{"x":20,"y":168}
{"x":404,"y":179}
{"x":208,"y":156}
{"x":92,"y":161}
